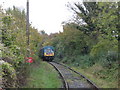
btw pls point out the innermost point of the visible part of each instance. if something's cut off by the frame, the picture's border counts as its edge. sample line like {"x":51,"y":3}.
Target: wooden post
{"x":27,"y":29}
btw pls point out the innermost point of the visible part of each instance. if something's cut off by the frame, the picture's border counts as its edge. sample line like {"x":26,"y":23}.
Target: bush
{"x":8,"y":75}
{"x":112,"y":56}
{"x":83,"y":61}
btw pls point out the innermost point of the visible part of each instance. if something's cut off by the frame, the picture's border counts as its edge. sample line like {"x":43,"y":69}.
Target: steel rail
{"x":88,"y":80}
{"x":65,"y":84}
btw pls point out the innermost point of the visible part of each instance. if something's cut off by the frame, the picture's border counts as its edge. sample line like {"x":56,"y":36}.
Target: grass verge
{"x":98,"y":79}
{"x":43,"y":76}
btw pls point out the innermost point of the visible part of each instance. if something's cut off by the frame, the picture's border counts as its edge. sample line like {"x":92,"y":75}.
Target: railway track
{"x":71,"y":78}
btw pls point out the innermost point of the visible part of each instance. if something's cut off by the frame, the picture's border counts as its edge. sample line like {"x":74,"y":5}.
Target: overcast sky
{"x":44,"y":14}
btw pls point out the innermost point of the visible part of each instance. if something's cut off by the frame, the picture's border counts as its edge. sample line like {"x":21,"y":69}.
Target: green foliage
{"x":101,"y":23}
{"x":7,"y":20}
{"x":98,"y":48}
{"x":8,"y":75}
{"x":14,"y":46}
{"x":92,"y":38}
{"x":10,"y":71}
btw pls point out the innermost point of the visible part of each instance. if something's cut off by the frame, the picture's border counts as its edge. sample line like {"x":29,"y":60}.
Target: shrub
{"x":8,"y":75}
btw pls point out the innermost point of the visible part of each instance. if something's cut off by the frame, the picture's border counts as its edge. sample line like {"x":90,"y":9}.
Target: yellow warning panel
{"x":48,"y":54}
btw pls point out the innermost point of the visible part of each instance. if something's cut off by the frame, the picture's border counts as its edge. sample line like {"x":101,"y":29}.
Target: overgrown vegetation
{"x":9,"y":75}
{"x":89,"y":43}
{"x":13,"y":45}
{"x":91,"y":40}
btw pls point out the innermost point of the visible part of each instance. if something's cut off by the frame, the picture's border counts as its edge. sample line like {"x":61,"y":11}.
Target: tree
{"x":99,"y":18}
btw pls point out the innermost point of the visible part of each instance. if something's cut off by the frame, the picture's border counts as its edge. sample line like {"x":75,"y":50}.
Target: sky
{"x":44,"y":15}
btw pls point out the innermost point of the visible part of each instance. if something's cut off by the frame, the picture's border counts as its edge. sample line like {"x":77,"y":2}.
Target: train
{"x":47,"y":53}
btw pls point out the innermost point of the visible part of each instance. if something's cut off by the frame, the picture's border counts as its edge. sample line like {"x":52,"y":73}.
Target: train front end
{"x":48,"y":53}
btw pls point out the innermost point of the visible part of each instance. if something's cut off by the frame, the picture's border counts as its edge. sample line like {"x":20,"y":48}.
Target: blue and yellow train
{"x":47,"y":53}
